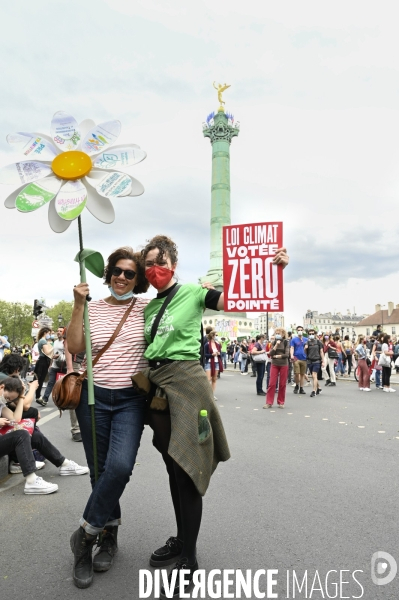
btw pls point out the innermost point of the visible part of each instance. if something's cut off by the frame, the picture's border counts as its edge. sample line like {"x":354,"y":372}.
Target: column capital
{"x":220,"y":128}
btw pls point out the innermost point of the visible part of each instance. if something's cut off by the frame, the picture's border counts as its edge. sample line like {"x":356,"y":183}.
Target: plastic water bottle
{"x":204,"y":428}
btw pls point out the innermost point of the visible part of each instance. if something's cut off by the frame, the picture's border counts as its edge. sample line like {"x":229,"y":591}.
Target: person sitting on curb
{"x":11,"y":393}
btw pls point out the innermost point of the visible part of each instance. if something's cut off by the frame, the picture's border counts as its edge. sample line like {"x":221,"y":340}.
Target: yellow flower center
{"x":72,"y":165}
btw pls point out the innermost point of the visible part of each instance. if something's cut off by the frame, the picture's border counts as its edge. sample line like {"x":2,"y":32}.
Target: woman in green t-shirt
{"x":181,"y":391}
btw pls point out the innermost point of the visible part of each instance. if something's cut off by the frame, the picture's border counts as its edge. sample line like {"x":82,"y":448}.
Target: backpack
{"x":313,"y":350}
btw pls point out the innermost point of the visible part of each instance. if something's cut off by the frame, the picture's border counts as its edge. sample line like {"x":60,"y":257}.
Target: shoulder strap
{"x":113,"y":336}
{"x":159,"y":316}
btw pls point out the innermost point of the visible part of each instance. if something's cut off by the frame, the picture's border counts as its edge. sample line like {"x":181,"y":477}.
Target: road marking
{"x":307,"y":416}
{"x":342,"y":422}
{"x":382,"y":432}
{"x":361,"y":426}
{"x":256,"y":408}
{"x":45,"y":409}
{"x":238,"y":406}
{"x":289,"y":413}
{"x":52,"y":415}
{"x":324,"y":419}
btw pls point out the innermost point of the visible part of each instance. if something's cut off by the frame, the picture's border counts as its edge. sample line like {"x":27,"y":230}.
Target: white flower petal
{"x":111,"y":184}
{"x":137,"y":187}
{"x":24,"y":172}
{"x":100,"y":137}
{"x":9,"y":202}
{"x":119,"y":158}
{"x":71,"y":200}
{"x":85,"y":127}
{"x":34,"y":145}
{"x":37,"y":194}
{"x":65,"y":131}
{"x":56,"y":223}
{"x":100,"y":207}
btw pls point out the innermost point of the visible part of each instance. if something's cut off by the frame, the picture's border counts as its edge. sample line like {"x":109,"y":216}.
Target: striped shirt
{"x":125,"y":355}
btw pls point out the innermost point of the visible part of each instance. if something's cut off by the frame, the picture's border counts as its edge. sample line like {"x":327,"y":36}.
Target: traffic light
{"x":38,"y":308}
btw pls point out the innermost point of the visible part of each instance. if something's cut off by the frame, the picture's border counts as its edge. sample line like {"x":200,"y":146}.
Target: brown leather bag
{"x":67,"y":390}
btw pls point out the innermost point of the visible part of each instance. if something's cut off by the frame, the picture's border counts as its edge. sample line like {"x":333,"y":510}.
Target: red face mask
{"x":158,"y":276}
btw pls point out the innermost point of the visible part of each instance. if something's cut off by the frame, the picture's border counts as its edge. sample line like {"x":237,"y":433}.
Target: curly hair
{"x":281,"y":331}
{"x":12,"y":363}
{"x":165,"y":245}
{"x":127,"y":253}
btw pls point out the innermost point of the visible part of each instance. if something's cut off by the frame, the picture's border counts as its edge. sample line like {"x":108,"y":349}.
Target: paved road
{"x":313,"y":487}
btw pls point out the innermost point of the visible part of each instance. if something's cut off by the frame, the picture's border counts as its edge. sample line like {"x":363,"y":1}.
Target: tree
{"x":61,"y":308}
{"x":16,"y":320}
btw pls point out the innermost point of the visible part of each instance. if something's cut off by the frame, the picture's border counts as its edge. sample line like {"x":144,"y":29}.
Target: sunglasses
{"x":128,"y":273}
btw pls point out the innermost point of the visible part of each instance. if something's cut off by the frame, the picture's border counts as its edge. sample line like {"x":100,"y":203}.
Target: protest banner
{"x":250,"y":279}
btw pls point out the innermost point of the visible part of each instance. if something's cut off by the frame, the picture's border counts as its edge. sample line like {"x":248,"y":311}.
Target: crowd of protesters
{"x":305,"y":358}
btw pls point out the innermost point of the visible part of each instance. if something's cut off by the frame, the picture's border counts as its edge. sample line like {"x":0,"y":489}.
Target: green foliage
{"x":16,"y":320}
{"x":61,"y":308}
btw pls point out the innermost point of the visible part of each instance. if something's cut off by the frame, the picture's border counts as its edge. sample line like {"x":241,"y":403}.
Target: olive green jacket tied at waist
{"x":188,"y":391}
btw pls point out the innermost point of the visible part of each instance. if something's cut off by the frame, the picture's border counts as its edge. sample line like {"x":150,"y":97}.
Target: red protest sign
{"x":250,"y":280}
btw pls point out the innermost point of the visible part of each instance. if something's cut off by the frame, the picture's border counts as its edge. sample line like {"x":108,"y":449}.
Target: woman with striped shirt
{"x":119,"y":409}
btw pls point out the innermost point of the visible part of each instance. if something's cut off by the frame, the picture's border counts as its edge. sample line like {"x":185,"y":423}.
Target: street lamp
{"x":60,"y":319}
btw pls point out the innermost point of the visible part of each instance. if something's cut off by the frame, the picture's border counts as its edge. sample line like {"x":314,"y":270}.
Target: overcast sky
{"x":315,"y":86}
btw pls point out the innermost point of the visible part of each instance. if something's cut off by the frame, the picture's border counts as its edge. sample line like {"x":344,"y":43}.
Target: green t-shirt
{"x":179,"y":332}
{"x":40,"y":345}
{"x":224,"y":346}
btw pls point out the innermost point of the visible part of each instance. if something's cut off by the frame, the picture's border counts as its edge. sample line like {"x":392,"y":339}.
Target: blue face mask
{"x":123,"y":297}
{"x":48,"y":336}
{"x":278,"y":336}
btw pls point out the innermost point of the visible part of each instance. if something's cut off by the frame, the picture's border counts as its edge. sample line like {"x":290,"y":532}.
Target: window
{"x":240,"y":322}
{"x":347,"y":330}
{"x":210,"y":322}
{"x":205,"y":322}
{"x":394,"y":330}
{"x":250,"y":324}
{"x":245,"y":323}
{"x":367,"y":331}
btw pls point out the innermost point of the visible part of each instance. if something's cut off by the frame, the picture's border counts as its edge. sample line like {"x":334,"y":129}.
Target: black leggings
{"x":386,"y":376}
{"x":187,"y":501}
{"x":41,"y":370}
{"x":349,"y":359}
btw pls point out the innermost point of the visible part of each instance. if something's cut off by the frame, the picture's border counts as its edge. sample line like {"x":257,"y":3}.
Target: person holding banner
{"x":172,"y":326}
{"x":279,"y":354}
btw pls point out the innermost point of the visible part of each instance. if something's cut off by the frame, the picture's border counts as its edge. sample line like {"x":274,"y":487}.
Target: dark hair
{"x":347,"y":337}
{"x":127,"y":253}
{"x":258,"y":337}
{"x":12,"y":363}
{"x":13,"y":384}
{"x":208,"y":329}
{"x":211,"y":334}
{"x":299,"y":326}
{"x":42,"y":332}
{"x":385,"y":338}
{"x":165,"y":245}
{"x":309,"y":330}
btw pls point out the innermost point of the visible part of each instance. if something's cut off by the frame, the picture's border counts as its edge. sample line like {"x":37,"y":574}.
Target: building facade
{"x":332,"y":322}
{"x":387,"y":318}
{"x":268,"y":322}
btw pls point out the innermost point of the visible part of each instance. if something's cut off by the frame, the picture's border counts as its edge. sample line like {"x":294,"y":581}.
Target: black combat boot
{"x":82,"y":547}
{"x":107,"y":549}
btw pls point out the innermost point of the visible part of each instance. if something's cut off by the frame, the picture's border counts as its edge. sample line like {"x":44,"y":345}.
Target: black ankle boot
{"x":107,"y":549}
{"x":82,"y":548}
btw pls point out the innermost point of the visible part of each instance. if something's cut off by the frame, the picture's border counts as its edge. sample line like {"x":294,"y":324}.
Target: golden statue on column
{"x":221,"y":87}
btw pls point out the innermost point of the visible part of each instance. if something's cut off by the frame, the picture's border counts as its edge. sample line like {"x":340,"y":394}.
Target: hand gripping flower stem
{"x":89,"y":360}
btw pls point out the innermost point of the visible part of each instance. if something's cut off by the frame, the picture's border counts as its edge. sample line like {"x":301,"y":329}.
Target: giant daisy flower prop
{"x":74,"y":167}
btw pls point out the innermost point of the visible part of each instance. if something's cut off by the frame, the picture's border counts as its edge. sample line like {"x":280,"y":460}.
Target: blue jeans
{"x":340,"y":366}
{"x":52,"y":373}
{"x":119,"y":418}
{"x":223,"y":356}
{"x":377,"y":378}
